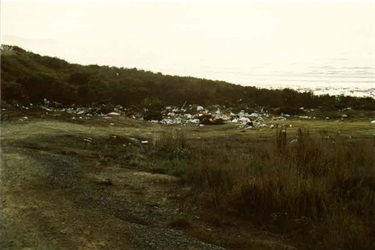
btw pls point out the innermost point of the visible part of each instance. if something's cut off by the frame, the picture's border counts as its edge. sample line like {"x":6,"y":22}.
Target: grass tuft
{"x":311,"y":187}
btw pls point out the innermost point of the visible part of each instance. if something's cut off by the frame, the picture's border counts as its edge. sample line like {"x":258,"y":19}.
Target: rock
{"x":144,"y":142}
{"x":111,"y":124}
{"x":200,"y":108}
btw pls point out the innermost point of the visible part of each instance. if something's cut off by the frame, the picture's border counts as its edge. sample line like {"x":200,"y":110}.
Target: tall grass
{"x":169,"y":152}
{"x":322,"y":191}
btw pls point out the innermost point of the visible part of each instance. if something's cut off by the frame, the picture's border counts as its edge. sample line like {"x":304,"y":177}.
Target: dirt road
{"x":56,"y":195}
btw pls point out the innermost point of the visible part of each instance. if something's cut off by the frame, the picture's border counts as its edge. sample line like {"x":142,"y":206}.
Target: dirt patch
{"x":51,"y":200}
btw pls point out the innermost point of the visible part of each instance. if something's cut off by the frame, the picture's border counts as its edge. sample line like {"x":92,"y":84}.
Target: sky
{"x":193,"y":37}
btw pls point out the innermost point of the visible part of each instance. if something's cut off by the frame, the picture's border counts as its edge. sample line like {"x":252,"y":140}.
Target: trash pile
{"x":214,"y":115}
{"x":169,"y":115}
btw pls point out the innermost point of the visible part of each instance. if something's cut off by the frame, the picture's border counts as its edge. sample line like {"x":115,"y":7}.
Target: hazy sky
{"x":182,"y":37}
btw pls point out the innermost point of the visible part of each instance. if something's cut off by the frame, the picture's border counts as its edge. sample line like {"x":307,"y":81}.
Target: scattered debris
{"x":174,"y":115}
{"x":89,"y":140}
{"x":113,"y":114}
{"x":105,"y":182}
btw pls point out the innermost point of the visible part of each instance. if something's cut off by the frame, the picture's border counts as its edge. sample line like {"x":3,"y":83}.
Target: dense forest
{"x":27,"y":78}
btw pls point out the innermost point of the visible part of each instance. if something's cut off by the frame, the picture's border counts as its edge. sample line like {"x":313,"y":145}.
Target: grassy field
{"x":318,"y":187}
{"x":312,"y":181}
{"x":302,"y":184}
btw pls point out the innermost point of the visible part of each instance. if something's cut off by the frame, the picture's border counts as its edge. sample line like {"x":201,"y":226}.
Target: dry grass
{"x":320,"y":190}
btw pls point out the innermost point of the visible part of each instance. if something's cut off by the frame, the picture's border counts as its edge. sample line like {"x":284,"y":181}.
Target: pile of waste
{"x":171,"y":115}
{"x":214,"y":115}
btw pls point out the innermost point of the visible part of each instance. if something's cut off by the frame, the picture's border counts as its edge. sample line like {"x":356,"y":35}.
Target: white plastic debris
{"x":144,"y":142}
{"x":87,"y":140}
{"x":113,"y":114}
{"x":193,"y":121}
{"x":305,"y":117}
{"x":188,"y":116}
{"x":244,"y":120}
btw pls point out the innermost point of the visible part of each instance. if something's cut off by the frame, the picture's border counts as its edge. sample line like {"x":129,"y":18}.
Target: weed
{"x":313,"y":186}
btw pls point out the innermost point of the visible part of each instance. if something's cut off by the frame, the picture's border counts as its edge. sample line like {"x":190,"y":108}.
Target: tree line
{"x":27,"y":78}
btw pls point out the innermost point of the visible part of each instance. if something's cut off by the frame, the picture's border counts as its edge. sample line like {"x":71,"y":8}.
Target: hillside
{"x":27,"y":77}
{"x":98,"y":157}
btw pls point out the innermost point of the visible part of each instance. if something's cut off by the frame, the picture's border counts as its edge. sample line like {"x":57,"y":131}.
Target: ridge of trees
{"x":27,"y":77}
